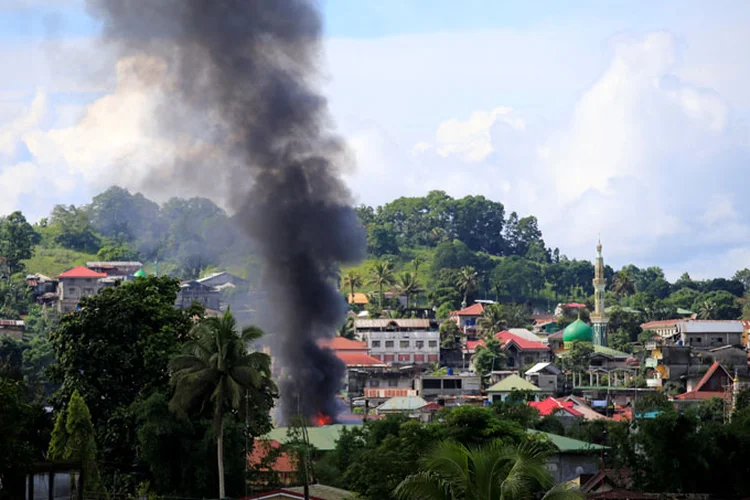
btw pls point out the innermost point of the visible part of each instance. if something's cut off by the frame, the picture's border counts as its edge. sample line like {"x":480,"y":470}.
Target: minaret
{"x":599,"y":317}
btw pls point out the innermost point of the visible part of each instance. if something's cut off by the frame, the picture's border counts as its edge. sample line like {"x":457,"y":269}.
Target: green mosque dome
{"x":140,"y":273}
{"x":578,"y":330}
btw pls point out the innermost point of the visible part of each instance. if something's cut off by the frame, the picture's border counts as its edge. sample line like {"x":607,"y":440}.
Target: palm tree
{"x":417,"y":263}
{"x":467,"y":282}
{"x":707,"y":310}
{"x":492,"y":472}
{"x":352,"y":280}
{"x":516,"y":315}
{"x":623,"y":283}
{"x":492,"y":320}
{"x":381,"y":275}
{"x":408,"y":285}
{"x":216,"y":367}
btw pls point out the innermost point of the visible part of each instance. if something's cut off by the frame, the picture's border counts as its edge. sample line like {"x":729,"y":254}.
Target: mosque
{"x":580,"y":331}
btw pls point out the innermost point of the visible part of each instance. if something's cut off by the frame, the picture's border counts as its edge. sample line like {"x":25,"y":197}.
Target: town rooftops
{"x":343,"y":344}
{"x":543,"y":367}
{"x":385,"y":323}
{"x":568,"y":445}
{"x":403,"y":403}
{"x":473,"y":310}
{"x":550,"y":406}
{"x":82,"y":272}
{"x":356,"y":359}
{"x":513,"y":383}
{"x":702,"y":392}
{"x":524,"y":333}
{"x":508,"y":338}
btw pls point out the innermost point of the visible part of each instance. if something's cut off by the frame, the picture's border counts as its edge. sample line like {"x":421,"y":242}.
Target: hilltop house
{"x":466,"y":318}
{"x":192,"y":291}
{"x":76,"y":284}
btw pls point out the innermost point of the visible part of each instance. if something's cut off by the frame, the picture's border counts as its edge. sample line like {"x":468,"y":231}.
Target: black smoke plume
{"x":238,"y":79}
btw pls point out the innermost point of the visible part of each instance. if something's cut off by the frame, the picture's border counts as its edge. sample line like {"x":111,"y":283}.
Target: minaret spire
{"x":599,"y":316}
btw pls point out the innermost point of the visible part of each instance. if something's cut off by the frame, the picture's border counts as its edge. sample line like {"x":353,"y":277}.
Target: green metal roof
{"x":568,"y":445}
{"x":578,"y":330}
{"x":403,"y":403}
{"x":140,"y":273}
{"x":323,"y":437}
{"x":611,"y":352}
{"x":682,"y":311}
{"x":513,"y":383}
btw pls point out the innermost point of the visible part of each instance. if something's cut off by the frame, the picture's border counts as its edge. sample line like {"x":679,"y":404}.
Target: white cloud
{"x":28,"y":119}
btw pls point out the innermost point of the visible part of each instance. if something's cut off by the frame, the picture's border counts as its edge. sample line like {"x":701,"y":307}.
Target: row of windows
{"x":698,"y":340}
{"x":391,"y":382}
{"x":404,"y":344}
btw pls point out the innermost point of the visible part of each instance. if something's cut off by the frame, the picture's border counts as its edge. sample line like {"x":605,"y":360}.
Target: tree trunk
{"x":220,"y":452}
{"x":380,"y":298}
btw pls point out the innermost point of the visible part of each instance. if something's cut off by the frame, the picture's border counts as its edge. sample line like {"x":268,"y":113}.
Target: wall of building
{"x":404,"y":348}
{"x":72,"y":290}
{"x":707,"y":340}
{"x":448,"y":385}
{"x":567,"y":466}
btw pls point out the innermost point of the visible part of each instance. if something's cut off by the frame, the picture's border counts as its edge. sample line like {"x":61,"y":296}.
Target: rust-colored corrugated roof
{"x":660,"y":324}
{"x":473,"y":310}
{"x":262,"y":448}
{"x":343,"y":344}
{"x":82,"y":272}
{"x":359,"y":359}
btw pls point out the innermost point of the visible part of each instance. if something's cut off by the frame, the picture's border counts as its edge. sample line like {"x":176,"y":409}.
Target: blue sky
{"x":628,"y":119}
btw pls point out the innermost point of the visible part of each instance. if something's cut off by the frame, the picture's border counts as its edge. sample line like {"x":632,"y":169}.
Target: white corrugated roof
{"x":710,"y":326}
{"x":541,"y":367}
{"x":525,"y":334}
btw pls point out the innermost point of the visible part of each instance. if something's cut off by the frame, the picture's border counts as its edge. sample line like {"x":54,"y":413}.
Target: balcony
{"x":653,"y":382}
{"x":652,"y":362}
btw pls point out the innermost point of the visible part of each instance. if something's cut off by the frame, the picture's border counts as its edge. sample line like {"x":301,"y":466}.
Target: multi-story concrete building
{"x":404,"y":347}
{"x":75,"y":284}
{"x":432,"y":387}
{"x":699,"y":334}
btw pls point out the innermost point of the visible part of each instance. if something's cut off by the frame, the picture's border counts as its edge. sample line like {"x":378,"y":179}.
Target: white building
{"x":404,"y":347}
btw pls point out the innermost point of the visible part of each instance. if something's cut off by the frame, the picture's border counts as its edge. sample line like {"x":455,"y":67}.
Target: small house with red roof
{"x":467,"y":317}
{"x":75,"y":284}
{"x":520,"y":352}
{"x":716,"y":383}
{"x":565,"y":411}
{"x":269,"y":464}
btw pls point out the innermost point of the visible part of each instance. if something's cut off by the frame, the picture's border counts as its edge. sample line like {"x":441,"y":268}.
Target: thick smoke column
{"x":238,"y":74}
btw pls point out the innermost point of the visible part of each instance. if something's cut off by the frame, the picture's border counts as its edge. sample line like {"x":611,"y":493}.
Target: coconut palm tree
{"x":492,"y":320}
{"x":352,"y":280}
{"x":417,"y":262}
{"x":492,"y":472}
{"x":707,"y":310}
{"x":466,"y":282}
{"x":381,"y":275}
{"x":216,"y":367}
{"x":623,"y":283}
{"x":408,"y":285}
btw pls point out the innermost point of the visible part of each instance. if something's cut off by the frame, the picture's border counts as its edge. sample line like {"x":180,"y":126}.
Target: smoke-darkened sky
{"x":625,"y":120}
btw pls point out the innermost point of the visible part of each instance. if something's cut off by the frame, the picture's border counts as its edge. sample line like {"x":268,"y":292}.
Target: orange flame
{"x":321,"y":420}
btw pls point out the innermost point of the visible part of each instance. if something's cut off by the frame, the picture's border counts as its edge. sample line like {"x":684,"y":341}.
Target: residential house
{"x":544,"y":324}
{"x":360,"y":299}
{"x":12,"y":328}
{"x":269,"y":464}
{"x":360,"y":366}
{"x":466,"y":318}
{"x":702,"y":334}
{"x":406,"y":405}
{"x":667,"y":363}
{"x":386,"y":383}
{"x":437,"y":387}
{"x":715,"y":383}
{"x":43,"y":288}
{"x":192,"y":291}
{"x":75,"y":284}
{"x":733,"y":358}
{"x":555,"y":341}
{"x":585,"y":409}
{"x":363,"y":326}
{"x":666,"y":329}
{"x":222,"y":280}
{"x":573,"y":457}
{"x":115,"y":268}
{"x":519,"y":351}
{"x":546,"y":376}
{"x":511,"y":384}
{"x":565,"y":411}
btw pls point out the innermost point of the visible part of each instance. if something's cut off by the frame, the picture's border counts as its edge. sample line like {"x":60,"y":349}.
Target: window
{"x":452,"y":383}
{"x":389,"y":344}
{"x":431,"y":383}
{"x":72,"y":290}
{"x":718,"y":339}
{"x":376,"y":344}
{"x":419,"y":344}
{"x":404,"y":344}
{"x":374,"y":382}
{"x":433,"y":343}
{"x":393,"y":382}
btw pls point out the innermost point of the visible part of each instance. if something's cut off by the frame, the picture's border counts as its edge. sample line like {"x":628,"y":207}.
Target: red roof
{"x":623,"y":414}
{"x":699,"y":392}
{"x":359,"y":359}
{"x":431,"y":407}
{"x":282,"y":463}
{"x":660,"y":324}
{"x":473,"y":310}
{"x":525,"y":344}
{"x":82,"y":272}
{"x":575,"y":305}
{"x":343,"y":344}
{"x":551,"y":405}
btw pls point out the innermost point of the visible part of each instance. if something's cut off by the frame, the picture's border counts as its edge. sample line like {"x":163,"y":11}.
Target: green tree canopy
{"x":17,"y":240}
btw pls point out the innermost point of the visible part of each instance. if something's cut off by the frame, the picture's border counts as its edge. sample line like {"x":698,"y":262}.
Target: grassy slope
{"x":53,"y":261}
